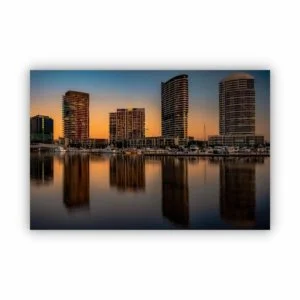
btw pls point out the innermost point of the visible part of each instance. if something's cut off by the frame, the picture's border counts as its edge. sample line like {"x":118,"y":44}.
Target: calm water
{"x":83,"y":191}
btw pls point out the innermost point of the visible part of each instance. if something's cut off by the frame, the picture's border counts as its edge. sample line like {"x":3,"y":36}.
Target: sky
{"x":110,"y":90}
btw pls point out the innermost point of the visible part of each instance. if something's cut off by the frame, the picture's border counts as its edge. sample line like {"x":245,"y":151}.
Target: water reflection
{"x":237,"y":191}
{"x":127,"y":173}
{"x":175,"y":191}
{"x":41,"y":169}
{"x":194,"y":160}
{"x":98,"y":158}
{"x":76,"y":182}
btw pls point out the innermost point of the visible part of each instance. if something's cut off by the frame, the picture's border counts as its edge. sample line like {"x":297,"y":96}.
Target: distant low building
{"x":158,"y":142}
{"x":41,"y":129}
{"x":88,"y":143}
{"x":235,"y":140}
{"x":96,"y":143}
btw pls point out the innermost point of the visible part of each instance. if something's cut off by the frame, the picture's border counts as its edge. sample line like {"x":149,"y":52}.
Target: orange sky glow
{"x":99,"y":117}
{"x":110,"y":90}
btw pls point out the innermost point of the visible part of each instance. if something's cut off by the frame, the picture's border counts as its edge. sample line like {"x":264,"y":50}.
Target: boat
{"x":60,"y":149}
{"x":131,"y":151}
{"x":194,"y":149}
{"x":209,"y":150}
{"x":231,"y":150}
{"x":108,"y":149}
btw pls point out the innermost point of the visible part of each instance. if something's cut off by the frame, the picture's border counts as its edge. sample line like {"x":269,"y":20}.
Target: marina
{"x":192,"y":151}
{"x":162,"y":164}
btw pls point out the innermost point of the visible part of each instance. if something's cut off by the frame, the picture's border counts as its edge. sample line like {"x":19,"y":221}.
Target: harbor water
{"x":104,"y":191}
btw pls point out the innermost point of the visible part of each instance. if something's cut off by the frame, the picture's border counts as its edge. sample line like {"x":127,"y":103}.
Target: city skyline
{"x":110,"y":90}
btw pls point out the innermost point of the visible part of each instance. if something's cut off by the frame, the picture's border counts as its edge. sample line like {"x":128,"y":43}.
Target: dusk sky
{"x":110,"y":90}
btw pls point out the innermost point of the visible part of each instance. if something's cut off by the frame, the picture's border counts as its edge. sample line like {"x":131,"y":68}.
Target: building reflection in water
{"x":76,"y":192}
{"x":127,"y":172}
{"x":95,"y":157}
{"x":41,"y":169}
{"x":175,"y":191}
{"x":237,"y":191}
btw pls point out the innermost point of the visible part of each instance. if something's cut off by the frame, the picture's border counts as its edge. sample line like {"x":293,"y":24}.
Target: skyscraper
{"x":174,"y":107}
{"x":127,"y":124}
{"x":237,"y":112}
{"x":41,"y":129}
{"x":76,"y":115}
{"x":237,"y":105}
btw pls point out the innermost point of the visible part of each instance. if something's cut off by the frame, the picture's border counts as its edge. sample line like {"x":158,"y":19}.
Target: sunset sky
{"x":110,"y":90}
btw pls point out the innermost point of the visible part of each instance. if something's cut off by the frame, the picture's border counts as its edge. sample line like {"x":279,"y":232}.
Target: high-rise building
{"x":126,"y":124}
{"x":41,"y":129}
{"x":174,"y":107}
{"x":236,"y":112}
{"x":76,"y":116}
{"x":237,"y":105}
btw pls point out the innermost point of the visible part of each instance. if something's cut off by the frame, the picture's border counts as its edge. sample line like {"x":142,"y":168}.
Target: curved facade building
{"x":237,"y":105}
{"x":174,"y":107}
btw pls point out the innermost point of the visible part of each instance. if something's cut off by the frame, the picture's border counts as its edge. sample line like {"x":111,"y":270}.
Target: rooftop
{"x":237,"y":76}
{"x":40,"y":116}
{"x":177,"y":77}
{"x":76,"y":92}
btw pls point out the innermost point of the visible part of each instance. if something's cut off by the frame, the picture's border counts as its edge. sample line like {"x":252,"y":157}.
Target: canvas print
{"x":147,"y":149}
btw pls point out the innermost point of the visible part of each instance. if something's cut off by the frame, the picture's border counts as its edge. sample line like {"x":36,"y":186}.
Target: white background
{"x":149,"y":35}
